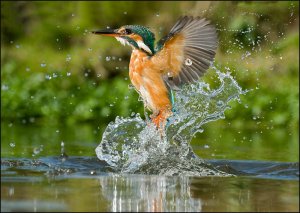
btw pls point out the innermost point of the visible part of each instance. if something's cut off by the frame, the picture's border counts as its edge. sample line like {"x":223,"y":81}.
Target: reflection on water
{"x":149,"y":193}
{"x":85,"y":184}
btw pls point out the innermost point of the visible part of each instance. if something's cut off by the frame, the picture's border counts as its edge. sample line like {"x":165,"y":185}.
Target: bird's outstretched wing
{"x":187,"y":51}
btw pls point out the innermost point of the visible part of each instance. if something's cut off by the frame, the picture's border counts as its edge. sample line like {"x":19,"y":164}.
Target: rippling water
{"x":133,"y":145}
{"x":88,"y":184}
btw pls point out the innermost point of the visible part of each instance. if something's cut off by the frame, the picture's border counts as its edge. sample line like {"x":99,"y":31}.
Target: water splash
{"x":132,"y":145}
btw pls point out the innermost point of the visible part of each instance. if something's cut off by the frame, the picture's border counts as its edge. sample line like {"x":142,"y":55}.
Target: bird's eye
{"x":127,"y":31}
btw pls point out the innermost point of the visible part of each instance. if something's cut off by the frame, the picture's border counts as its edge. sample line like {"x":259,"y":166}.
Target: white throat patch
{"x":122,"y":41}
{"x":143,"y":46}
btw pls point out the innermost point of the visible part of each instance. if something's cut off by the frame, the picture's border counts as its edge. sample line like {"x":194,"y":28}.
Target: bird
{"x":157,"y":69}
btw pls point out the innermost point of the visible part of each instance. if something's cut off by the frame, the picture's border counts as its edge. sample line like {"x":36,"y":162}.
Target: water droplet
{"x":68,"y":58}
{"x":90,"y":49}
{"x":17,"y":46}
{"x":31,"y":119}
{"x":68,"y":73}
{"x":280,"y":57}
{"x":54,"y":75}
{"x":93,"y":172}
{"x":111,"y":105}
{"x":10,"y":124}
{"x":107,"y":58}
{"x":27,"y":69}
{"x":125,"y":13}
{"x":157,"y":15}
{"x":48,"y":77}
{"x":11,"y":191}
{"x":98,"y":75}
{"x":36,"y":150}
{"x":57,"y":40}
{"x":206,"y":146}
{"x":43,"y":64}
{"x":4,"y":87}
{"x":57,"y":131}
{"x":12,"y":144}
{"x":126,"y":97}
{"x":91,"y":110}
{"x":73,"y":14}
{"x":188,"y":62}
{"x":220,"y":103}
{"x":11,"y":42}
{"x":86,"y":74}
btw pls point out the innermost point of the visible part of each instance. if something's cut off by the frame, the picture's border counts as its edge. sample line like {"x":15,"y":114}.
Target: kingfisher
{"x":156,"y":70}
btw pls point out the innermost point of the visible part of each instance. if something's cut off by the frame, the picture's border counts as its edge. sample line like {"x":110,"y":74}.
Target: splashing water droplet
{"x":48,"y":77}
{"x":135,"y":146}
{"x":4,"y":87}
{"x":12,"y":144}
{"x":220,"y":103}
{"x":68,"y":58}
{"x":188,"y":62}
{"x":107,"y":58}
{"x":36,"y":150}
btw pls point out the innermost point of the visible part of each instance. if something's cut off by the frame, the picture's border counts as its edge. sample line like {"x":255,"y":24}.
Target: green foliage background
{"x":54,"y":71}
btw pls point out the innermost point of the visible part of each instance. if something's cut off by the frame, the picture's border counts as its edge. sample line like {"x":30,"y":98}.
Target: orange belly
{"x":148,"y":81}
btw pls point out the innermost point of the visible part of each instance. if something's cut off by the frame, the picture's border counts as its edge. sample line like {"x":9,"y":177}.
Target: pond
{"x":39,"y":174}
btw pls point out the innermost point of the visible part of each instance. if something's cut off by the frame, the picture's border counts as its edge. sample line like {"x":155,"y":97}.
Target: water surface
{"x":87,"y":184}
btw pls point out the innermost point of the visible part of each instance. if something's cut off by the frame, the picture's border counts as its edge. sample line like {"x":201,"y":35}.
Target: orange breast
{"x":146,"y":77}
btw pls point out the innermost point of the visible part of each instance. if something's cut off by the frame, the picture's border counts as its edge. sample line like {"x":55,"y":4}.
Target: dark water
{"x":87,"y":184}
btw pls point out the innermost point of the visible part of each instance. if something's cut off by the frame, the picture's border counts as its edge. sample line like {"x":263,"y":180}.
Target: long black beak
{"x":106,"y":32}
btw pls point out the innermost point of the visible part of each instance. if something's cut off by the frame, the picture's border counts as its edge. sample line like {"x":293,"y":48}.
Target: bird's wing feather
{"x":187,"y":51}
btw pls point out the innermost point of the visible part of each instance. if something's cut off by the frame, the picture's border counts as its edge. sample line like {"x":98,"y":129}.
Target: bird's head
{"x":138,"y":37}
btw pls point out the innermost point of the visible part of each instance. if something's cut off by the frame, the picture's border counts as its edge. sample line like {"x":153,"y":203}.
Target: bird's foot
{"x":160,"y":119}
